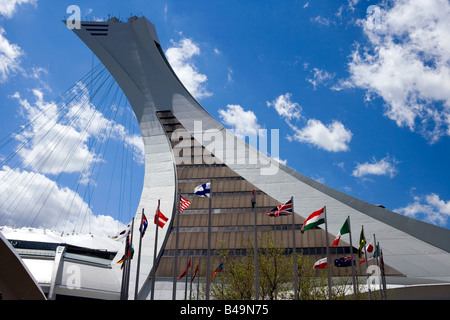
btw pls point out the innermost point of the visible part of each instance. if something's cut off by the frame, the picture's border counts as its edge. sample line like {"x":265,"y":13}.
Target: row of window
{"x":242,"y":252}
{"x":265,"y":228}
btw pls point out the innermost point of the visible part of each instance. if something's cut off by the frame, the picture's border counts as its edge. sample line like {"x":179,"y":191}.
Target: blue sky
{"x":358,"y":89}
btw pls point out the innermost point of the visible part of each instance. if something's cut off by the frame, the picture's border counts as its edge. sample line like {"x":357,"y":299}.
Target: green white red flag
{"x":316,"y":218}
{"x":344,"y":230}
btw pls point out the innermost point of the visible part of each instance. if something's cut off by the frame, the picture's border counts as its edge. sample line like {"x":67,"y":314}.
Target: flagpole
{"x":351,"y":257}
{"x":175,"y":265}
{"x":139,"y":258}
{"x":186,"y":280}
{"x":294,"y":249}
{"x":383,"y":273}
{"x":328,"y":253}
{"x":127,"y":264}
{"x":367,"y":266}
{"x":378,"y":265}
{"x":124,"y":264}
{"x":208,"y":255}
{"x":256,"y":248}
{"x":190,"y":290}
{"x":154,"y":253}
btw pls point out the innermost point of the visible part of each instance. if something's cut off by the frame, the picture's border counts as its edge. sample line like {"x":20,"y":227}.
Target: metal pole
{"x":152,"y":296}
{"x":351,"y":257}
{"x":175,"y":266}
{"x":186,"y":280}
{"x":139,"y":258}
{"x":294,"y":249}
{"x":377,"y":259}
{"x":367,"y":265}
{"x":256,"y":251}
{"x":208,"y":256}
{"x":328,"y":254}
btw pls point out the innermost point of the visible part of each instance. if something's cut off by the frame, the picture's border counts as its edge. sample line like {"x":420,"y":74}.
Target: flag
{"x":218,"y":269}
{"x":362,"y":243}
{"x":344,"y":229}
{"x":184,"y":203}
{"x":195,"y":273}
{"x":316,"y":218}
{"x":344,"y":262}
{"x":284,"y":209}
{"x":203,"y":190}
{"x":123,"y":233}
{"x":183,"y":274}
{"x":162,"y":218}
{"x":321,"y":264}
{"x":253,"y":198}
{"x":185,"y":270}
{"x":143,"y":225}
{"x":370,"y":251}
{"x":129,"y":252}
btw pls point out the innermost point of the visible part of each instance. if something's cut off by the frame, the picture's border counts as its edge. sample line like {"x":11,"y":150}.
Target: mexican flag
{"x":316,"y":218}
{"x":344,"y":229}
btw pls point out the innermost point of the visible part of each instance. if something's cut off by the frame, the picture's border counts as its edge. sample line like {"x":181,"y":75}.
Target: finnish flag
{"x":203,"y":190}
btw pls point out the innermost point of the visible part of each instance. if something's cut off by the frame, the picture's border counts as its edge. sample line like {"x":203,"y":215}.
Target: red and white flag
{"x":321,"y":264}
{"x":184,"y":203}
{"x":162,"y":219}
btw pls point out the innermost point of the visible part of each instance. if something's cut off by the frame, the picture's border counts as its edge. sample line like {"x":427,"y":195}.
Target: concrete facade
{"x":131,"y":51}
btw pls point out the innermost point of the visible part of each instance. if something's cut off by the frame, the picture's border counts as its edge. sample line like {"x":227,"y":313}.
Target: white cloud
{"x":334,"y":137}
{"x":285,"y":107}
{"x":10,"y":54}
{"x":39,"y":202}
{"x":407,"y":62}
{"x":180,"y":58}
{"x":243,"y":122}
{"x":321,"y":20}
{"x":9,"y":7}
{"x":430,"y":208}
{"x":57,"y":142}
{"x":384,"y":167}
{"x":319,"y":77}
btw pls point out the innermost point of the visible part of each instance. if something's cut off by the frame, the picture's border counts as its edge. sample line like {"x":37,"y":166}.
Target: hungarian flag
{"x":184,"y":203}
{"x":321,"y":264}
{"x":284,"y":209}
{"x":162,"y":219}
{"x":218,"y":269}
{"x":344,"y":229}
{"x":144,"y":225}
{"x":316,"y":218}
{"x":253,"y":198}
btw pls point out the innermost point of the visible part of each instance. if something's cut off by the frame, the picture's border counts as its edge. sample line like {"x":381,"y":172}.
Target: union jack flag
{"x":284,"y":209}
{"x":184,"y":203}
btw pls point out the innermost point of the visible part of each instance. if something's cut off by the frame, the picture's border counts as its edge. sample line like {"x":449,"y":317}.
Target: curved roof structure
{"x":131,"y":51}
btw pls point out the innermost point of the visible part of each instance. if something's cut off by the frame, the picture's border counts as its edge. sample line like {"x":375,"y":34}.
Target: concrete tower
{"x":173,"y":124}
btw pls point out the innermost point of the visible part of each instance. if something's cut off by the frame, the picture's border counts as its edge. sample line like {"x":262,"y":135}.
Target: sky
{"x":358,"y":89}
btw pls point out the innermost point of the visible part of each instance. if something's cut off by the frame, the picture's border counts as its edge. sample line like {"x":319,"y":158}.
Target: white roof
{"x":49,"y":236}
